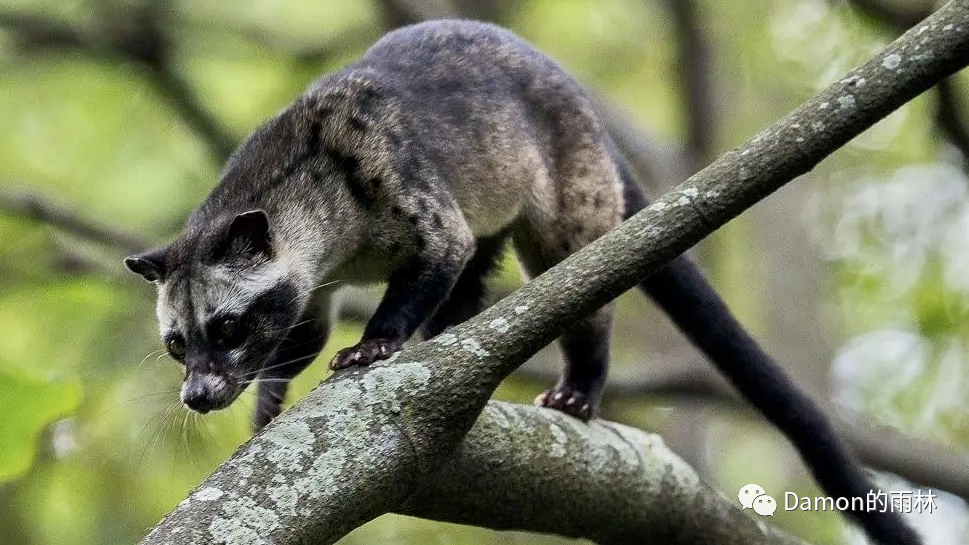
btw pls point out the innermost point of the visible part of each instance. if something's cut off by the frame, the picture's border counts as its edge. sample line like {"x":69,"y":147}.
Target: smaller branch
{"x":35,"y":32}
{"x":183,"y":98}
{"x":351,"y":39}
{"x":179,"y":94}
{"x":687,"y":382}
{"x":486,"y":10}
{"x":69,"y":260}
{"x":919,"y":461}
{"x":146,"y":41}
{"x":35,"y":208}
{"x":356,"y":305}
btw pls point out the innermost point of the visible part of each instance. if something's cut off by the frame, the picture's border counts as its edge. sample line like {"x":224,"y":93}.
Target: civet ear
{"x":150,"y":265}
{"x":249,"y":235}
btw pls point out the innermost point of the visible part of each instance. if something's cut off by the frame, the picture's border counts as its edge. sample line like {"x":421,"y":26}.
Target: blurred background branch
{"x":696,"y":82}
{"x":35,"y":208}
{"x":135,"y":34}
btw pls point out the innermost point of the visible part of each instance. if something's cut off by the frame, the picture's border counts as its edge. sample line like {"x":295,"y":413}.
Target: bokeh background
{"x":115,"y":117}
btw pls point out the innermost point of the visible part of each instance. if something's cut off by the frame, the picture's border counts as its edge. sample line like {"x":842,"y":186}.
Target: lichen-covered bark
{"x":367,"y":440}
{"x":536,"y":469}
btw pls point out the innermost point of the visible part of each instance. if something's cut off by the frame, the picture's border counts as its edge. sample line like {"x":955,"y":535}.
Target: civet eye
{"x":176,"y":347}
{"x":227,"y":328}
{"x":229,"y":332}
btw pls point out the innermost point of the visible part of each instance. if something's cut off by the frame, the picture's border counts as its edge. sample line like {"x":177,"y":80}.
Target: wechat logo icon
{"x":753,"y":497}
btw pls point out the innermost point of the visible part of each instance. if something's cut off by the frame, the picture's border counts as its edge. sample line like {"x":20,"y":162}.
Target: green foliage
{"x":36,"y":403}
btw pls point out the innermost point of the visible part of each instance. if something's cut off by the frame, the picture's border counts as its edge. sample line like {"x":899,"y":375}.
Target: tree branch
{"x":881,"y":447}
{"x":182,"y":98}
{"x":365,"y":441}
{"x":606,"y":482}
{"x":921,"y":462}
{"x":36,"y":208}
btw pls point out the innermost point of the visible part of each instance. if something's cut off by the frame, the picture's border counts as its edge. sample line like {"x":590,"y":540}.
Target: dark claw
{"x":364,"y":353}
{"x":567,"y":399}
{"x":265,"y":414}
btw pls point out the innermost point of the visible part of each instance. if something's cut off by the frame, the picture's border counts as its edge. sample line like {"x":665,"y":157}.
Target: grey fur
{"x":442,"y":133}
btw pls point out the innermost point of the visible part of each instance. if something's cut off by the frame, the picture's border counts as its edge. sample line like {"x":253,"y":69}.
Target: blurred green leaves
{"x":95,"y":135}
{"x":29,"y":405}
{"x":898,"y":246}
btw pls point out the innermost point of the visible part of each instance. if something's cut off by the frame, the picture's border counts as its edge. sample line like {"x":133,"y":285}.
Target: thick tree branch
{"x":882,"y":448}
{"x":607,"y":482}
{"x":367,"y":440}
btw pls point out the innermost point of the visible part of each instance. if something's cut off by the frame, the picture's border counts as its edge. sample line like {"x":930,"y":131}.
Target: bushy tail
{"x":699,"y":312}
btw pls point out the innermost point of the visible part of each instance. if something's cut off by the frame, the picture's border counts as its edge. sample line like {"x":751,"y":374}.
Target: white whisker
{"x":281,"y":364}
{"x":158,"y":353}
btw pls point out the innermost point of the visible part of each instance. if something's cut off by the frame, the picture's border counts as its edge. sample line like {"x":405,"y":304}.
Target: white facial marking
{"x":230,"y":292}
{"x":164,"y":310}
{"x":235,"y":356}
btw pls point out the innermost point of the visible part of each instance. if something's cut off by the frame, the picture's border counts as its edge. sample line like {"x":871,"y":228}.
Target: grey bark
{"x":367,"y":440}
{"x":606,"y":482}
{"x":939,"y":467}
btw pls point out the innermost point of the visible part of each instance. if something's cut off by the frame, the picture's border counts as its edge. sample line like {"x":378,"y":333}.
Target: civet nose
{"x":195,"y":396}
